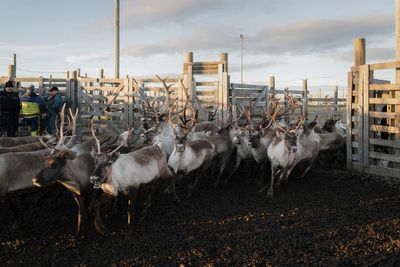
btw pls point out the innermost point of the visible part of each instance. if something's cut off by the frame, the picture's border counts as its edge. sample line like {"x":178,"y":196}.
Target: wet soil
{"x":329,"y":218}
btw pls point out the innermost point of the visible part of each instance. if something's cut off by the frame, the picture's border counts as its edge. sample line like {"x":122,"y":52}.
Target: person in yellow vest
{"x":32,"y":107}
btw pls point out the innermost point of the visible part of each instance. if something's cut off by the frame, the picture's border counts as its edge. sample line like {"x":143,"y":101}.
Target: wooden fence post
{"x":349,"y":124}
{"x":224,"y":82}
{"x":305,"y":98}
{"x":191,"y":88}
{"x":335,"y":99}
{"x":396,"y":94}
{"x":10,"y":72}
{"x":41,"y":87}
{"x":287,"y":118}
{"x":359,"y":60}
{"x":365,"y":115}
{"x":271,"y":90}
{"x":224,"y":60}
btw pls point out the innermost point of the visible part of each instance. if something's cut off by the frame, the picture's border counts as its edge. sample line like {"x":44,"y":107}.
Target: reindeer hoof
{"x":270,"y":194}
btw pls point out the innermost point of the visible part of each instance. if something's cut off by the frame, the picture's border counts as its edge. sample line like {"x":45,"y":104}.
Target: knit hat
{"x":9,"y":84}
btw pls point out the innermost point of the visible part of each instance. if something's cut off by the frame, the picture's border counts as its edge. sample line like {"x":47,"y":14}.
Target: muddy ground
{"x":331,"y":217}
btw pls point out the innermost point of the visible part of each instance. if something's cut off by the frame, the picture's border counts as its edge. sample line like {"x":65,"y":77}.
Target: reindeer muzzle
{"x":236,"y":140}
{"x":95,"y":180}
{"x":180,"y":147}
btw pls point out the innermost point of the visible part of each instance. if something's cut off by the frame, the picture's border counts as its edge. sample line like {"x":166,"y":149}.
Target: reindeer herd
{"x":172,"y":146}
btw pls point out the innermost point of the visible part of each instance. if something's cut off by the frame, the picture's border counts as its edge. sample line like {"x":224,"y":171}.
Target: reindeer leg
{"x":173,"y":188}
{"x":98,"y":223}
{"x":199,"y":174}
{"x":131,"y":200}
{"x":261,"y":178}
{"x":148,"y":202}
{"x":80,"y":202}
{"x":306,"y":170}
{"x":237,"y":163}
{"x":12,"y":208}
{"x":270,"y":192}
{"x":224,"y":161}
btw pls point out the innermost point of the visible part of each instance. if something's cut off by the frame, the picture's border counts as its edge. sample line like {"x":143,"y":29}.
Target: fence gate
{"x":109,"y":100}
{"x":373,"y":121}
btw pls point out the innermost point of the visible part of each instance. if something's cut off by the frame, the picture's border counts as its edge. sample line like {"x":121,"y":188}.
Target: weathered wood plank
{"x":386,"y":65}
{"x":387,"y":115}
{"x":384,"y":87}
{"x":388,"y":129}
{"x":382,"y":171}
{"x":387,"y":101}
{"x":381,"y":142}
{"x":213,"y":83}
{"x":383,"y":156}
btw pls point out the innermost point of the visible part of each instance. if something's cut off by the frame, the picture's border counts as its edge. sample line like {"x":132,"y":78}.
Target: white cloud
{"x":94,"y":57}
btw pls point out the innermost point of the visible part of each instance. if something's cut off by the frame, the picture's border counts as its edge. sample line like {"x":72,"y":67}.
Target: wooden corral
{"x":113,"y":102}
{"x":372,"y":117}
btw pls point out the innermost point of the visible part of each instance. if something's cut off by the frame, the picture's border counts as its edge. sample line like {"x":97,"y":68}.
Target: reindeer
{"x":189,"y":156}
{"x":282,"y":152}
{"x":126,"y":173}
{"x":22,"y":148}
{"x":72,"y":169}
{"x":160,"y":131}
{"x":20,"y":140}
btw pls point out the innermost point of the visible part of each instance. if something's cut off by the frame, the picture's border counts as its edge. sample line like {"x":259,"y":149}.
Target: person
{"x":32,"y":107}
{"x":53,"y":103}
{"x":10,"y":106}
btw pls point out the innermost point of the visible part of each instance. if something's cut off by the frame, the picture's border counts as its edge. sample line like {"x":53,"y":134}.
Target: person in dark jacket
{"x":54,"y":104}
{"x":32,"y":107}
{"x":10,"y":106}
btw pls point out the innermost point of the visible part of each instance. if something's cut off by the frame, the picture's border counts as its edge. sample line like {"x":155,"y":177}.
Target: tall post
{"x":15,"y":65}
{"x":224,"y":58}
{"x":189,"y":77}
{"x":241,"y":58}
{"x":116,"y":39}
{"x":305,"y":97}
{"x":223,"y":90}
{"x":10,"y":72}
{"x":359,"y":60}
{"x":272,"y":85}
{"x":396,"y":94}
{"x":335,"y":98}
{"x":359,"y":51}
{"x":287,"y":118}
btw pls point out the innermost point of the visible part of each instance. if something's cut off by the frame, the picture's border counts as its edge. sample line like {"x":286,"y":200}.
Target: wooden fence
{"x":373,"y":122}
{"x":113,"y":101}
{"x":373,"y":111}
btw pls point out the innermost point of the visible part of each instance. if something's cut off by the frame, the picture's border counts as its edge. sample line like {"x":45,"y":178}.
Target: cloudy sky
{"x":290,"y":39}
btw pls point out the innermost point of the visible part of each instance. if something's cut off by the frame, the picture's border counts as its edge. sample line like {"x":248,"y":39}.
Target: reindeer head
{"x":104,"y":160}
{"x":289,"y":136}
{"x":184,"y":131}
{"x":54,"y":165}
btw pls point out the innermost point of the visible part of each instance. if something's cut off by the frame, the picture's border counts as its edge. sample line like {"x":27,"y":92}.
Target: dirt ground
{"x":331,"y":217}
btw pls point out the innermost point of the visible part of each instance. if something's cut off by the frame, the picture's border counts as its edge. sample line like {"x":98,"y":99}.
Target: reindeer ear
{"x":93,"y":152}
{"x":280,"y":135}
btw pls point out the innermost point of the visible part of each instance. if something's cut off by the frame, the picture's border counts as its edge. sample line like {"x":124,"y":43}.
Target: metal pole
{"x":116,"y":39}
{"x":241,"y":59}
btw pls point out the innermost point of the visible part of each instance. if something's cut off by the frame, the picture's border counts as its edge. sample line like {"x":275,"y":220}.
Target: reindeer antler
{"x":124,"y":142}
{"x":94,"y":136}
